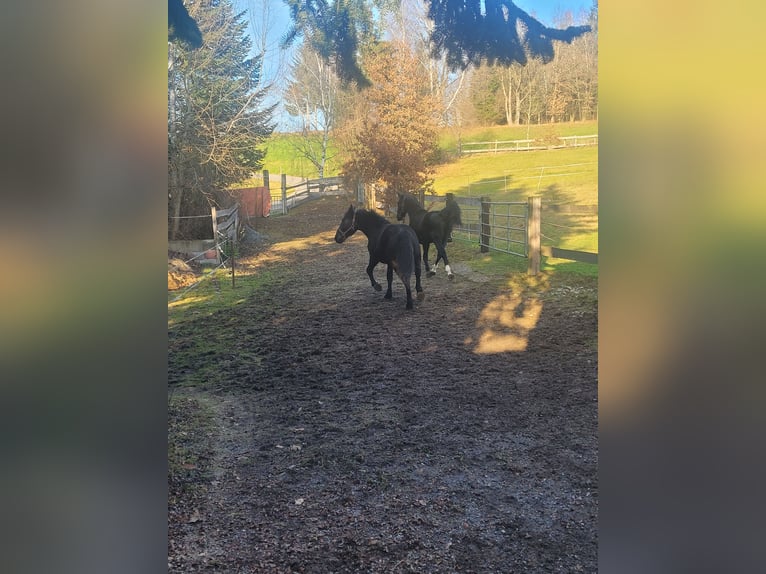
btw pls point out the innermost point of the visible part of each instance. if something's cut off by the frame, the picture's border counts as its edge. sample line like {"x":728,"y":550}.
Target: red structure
{"x":255,"y":201}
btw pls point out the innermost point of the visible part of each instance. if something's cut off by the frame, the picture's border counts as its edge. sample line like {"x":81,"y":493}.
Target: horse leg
{"x":406,"y":280}
{"x":443,"y":255}
{"x":370,"y":267}
{"x":390,"y":278}
{"x":418,"y":286}
{"x":429,"y":272}
{"x":404,"y":276}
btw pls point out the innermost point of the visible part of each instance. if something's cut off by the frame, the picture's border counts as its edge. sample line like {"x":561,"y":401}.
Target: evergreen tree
{"x":465,"y":32}
{"x":216,"y":118}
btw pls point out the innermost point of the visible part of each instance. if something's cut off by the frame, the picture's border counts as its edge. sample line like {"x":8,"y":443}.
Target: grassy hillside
{"x":282,"y":157}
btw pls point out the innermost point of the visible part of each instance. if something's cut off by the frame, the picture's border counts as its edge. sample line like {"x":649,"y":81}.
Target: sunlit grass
{"x":215,"y":293}
{"x":282,"y":156}
{"x":567,"y":175}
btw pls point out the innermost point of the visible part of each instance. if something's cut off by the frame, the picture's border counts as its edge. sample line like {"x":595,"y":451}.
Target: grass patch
{"x":214,"y":294}
{"x":494,"y":264}
{"x":565,"y":179}
{"x":282,"y":156}
{"x":566,"y":267}
{"x":560,"y":176}
{"x":201,"y":343}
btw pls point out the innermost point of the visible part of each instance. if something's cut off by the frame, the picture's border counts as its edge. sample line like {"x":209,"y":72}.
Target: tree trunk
{"x":176,"y":191}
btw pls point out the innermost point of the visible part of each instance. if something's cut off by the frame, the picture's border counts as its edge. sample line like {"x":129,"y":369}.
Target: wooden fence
{"x":293,"y":195}
{"x":225,"y":232}
{"x":526,"y":145}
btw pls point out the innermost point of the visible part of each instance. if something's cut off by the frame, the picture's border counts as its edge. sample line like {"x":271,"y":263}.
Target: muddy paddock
{"x":316,"y":427}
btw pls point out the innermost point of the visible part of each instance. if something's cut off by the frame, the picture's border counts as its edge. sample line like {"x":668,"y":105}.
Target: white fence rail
{"x":527,"y":145}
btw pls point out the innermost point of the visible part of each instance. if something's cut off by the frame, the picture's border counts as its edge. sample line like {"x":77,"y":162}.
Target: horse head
{"x":347,"y":225}
{"x":401,"y":206}
{"x":452,"y":210}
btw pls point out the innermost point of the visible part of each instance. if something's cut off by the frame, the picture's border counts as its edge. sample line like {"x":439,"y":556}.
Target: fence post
{"x":266,"y":179}
{"x":533,"y":234}
{"x":360,"y":193}
{"x":370,"y":198}
{"x":214,"y":215}
{"x":485,"y":231}
{"x":284,"y":194}
{"x":234,"y":245}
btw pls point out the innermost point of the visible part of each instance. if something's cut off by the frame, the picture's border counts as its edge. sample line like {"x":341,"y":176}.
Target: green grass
{"x":283,"y":157}
{"x":564,"y":177}
{"x":214,"y":294}
{"x":568,"y":175}
{"x":199,"y":350}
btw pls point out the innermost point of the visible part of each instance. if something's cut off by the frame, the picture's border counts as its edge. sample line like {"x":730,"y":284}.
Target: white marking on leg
{"x":448,"y":270}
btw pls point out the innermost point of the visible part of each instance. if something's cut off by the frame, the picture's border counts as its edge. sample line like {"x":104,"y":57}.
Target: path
{"x":351,"y":435}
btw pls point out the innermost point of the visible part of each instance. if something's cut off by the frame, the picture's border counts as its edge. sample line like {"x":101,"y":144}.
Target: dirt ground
{"x":343,"y":433}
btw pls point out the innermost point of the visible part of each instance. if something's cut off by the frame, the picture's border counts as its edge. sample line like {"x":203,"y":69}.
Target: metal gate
{"x":495,"y":225}
{"x":504,"y":227}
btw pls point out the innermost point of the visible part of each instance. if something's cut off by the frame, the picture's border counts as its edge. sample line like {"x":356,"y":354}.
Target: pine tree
{"x":217,"y":122}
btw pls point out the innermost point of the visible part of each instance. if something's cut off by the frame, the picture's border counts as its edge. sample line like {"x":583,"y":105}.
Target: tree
{"x":312,"y":95}
{"x":216,"y":121}
{"x":464,"y":31}
{"x":566,"y":88}
{"x":485,"y":95}
{"x":181,"y":26}
{"x":394,"y":140}
{"x":492,"y":31}
{"x":336,"y":30}
{"x":410,"y":25}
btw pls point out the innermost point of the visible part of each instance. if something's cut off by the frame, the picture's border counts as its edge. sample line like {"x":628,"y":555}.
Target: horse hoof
{"x":430,"y":273}
{"x":409,"y":305}
{"x":421,"y":296}
{"x":378,"y":287}
{"x":387,"y":297}
{"x":451,"y":276}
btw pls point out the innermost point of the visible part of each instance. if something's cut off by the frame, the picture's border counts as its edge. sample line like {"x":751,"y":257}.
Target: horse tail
{"x":407,"y":258}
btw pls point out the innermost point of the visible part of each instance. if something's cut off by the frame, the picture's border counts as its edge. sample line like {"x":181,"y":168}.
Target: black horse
{"x":430,"y":227}
{"x":395,"y":245}
{"x":451,"y":216}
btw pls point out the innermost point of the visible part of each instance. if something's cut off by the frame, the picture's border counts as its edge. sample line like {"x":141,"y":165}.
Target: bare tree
{"x":411,"y":26}
{"x":312,"y":95}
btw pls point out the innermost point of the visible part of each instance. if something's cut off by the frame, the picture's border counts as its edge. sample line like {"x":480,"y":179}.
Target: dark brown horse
{"x":393,"y":244}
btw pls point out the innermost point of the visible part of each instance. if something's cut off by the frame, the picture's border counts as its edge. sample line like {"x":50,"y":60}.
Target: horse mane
{"x":451,"y":213}
{"x":372,"y":215}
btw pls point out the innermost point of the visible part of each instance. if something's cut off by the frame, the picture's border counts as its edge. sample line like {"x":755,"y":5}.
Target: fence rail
{"x":303,"y":191}
{"x":526,"y":144}
{"x":511,"y":227}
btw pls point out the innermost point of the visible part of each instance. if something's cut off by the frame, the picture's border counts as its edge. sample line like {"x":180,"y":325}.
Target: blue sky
{"x":546,"y":11}
{"x":270,"y":19}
